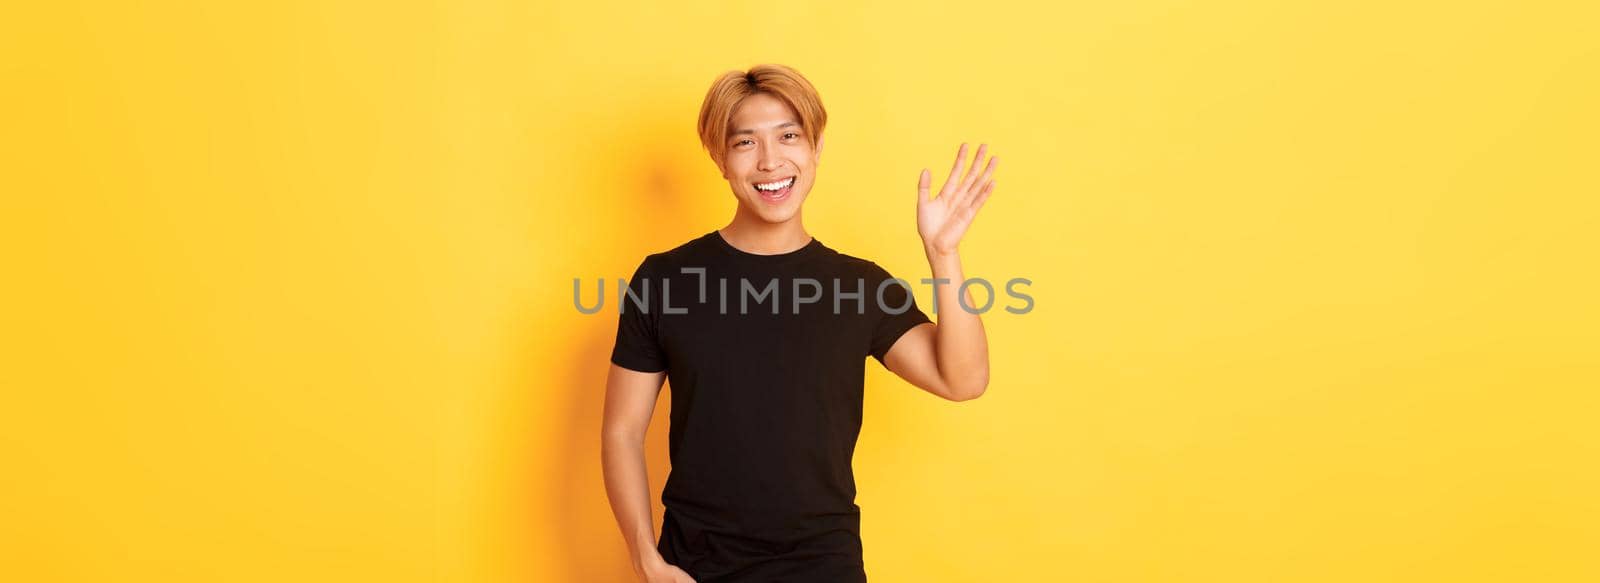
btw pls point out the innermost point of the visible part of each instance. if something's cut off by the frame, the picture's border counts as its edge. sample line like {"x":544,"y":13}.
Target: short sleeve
{"x":637,"y":345}
{"x":890,"y":296}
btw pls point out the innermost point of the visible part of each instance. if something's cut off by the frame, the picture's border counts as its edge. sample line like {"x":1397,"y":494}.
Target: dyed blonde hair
{"x":779,"y":81}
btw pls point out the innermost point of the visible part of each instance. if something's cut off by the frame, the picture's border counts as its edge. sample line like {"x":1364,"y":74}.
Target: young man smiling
{"x":767,"y":401}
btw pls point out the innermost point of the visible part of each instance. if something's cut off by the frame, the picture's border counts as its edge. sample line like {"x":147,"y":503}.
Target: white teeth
{"x":779,"y":185}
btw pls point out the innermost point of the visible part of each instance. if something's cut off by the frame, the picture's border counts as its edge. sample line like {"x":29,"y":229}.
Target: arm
{"x":630,"y":401}
{"x":950,"y":358}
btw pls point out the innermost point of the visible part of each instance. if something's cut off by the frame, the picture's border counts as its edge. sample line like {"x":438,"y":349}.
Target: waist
{"x":773,"y":534}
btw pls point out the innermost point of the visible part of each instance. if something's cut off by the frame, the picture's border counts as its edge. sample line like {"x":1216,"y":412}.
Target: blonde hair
{"x":777,"y":80}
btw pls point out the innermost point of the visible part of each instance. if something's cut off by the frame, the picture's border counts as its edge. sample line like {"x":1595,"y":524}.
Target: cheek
{"x":735,"y":167}
{"x":806,"y":158}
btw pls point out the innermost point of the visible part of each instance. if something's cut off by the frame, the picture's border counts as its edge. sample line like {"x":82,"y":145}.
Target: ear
{"x":820,"y":141}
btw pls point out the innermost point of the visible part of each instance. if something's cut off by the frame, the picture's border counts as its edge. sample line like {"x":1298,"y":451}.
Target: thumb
{"x":923,"y":183}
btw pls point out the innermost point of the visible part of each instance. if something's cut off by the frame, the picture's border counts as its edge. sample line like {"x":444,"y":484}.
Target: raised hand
{"x":944,"y":220}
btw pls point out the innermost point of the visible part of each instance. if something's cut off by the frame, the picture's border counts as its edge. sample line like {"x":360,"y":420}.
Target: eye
{"x":742,"y":142}
{"x":790,"y":136}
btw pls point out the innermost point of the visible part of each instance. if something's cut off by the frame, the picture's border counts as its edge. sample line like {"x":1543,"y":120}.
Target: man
{"x":764,"y":332}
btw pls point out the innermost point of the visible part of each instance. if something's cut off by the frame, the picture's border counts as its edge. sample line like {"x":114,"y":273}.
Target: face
{"x":770,"y":163}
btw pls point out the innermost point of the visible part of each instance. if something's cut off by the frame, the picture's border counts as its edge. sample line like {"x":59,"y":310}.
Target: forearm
{"x":628,"y":489}
{"x":961,"y":349}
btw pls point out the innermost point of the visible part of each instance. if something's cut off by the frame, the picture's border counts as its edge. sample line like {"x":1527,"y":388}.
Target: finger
{"x":988,"y":174}
{"x":965,"y":190}
{"x":972,"y":168}
{"x":955,"y":172}
{"x":977,"y":201}
{"x":924,"y":182}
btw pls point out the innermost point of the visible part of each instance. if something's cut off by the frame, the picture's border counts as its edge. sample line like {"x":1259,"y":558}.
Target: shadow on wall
{"x":649,"y":188}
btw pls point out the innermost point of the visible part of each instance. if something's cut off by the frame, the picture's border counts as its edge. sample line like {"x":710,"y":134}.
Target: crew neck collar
{"x":809,"y":248}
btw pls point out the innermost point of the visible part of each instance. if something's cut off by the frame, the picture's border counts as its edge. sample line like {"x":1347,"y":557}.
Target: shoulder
{"x":667,"y":261}
{"x":857,"y":265}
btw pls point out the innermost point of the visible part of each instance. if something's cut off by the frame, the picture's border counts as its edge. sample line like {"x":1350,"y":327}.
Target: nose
{"x":768,"y":160}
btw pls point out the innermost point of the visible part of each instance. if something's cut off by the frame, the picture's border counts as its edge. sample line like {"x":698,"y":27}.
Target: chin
{"x":781,"y":219}
{"x":778,"y":215}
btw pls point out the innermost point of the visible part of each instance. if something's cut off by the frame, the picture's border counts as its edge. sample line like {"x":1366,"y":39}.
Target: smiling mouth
{"x":775,"y":191}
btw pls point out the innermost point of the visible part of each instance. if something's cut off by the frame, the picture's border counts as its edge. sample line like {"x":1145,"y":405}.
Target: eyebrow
{"x":752,"y":131}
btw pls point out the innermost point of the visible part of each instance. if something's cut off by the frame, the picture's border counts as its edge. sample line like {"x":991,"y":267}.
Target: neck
{"x":753,"y":235}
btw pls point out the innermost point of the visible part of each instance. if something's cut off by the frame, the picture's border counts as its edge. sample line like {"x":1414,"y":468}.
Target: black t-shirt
{"x":765,"y":356}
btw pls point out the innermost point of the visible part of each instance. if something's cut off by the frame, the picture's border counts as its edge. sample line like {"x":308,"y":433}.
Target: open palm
{"x":944,"y":220}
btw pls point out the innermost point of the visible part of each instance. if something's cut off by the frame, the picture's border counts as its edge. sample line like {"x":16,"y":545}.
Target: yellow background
{"x":288,"y":285}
